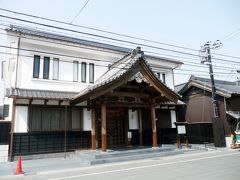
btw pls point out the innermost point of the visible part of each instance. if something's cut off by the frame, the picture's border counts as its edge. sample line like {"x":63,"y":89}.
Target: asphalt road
{"x":215,"y":165}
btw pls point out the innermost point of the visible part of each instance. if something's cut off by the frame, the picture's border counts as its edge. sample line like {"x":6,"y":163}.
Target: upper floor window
{"x":36,"y":66}
{"x":84,"y":71}
{"x":91,"y":73}
{"x":3,"y":69}
{"x":46,"y":64}
{"x":55,"y":68}
{"x":75,"y":71}
{"x":163,"y":78}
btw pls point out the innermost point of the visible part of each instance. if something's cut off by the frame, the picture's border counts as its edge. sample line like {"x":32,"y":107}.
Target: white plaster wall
{"x":173,"y":118}
{"x":133,"y":119}
{"x":3,"y":153}
{"x":21,"y":116}
{"x":87,"y":120}
{"x":76,"y":120}
{"x":70,"y":52}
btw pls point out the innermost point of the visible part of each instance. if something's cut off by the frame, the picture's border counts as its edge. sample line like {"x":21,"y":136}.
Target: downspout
{"x":173,"y":79}
{"x":16,"y":75}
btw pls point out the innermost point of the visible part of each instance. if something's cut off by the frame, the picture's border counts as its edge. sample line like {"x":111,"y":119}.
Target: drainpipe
{"x":16,"y":75}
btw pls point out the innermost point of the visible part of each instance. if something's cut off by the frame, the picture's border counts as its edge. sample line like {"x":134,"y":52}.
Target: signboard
{"x":129,"y":135}
{"x":181,"y":129}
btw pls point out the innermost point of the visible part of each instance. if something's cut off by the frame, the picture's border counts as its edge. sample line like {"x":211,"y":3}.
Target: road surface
{"x":212,"y":165}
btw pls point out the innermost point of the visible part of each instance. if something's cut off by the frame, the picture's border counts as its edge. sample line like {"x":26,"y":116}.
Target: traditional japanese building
{"x":66,"y":93}
{"x":197,"y":94}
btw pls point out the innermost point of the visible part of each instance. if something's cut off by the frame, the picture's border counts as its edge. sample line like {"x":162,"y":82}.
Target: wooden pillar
{"x":140,"y":127}
{"x":12,"y":129}
{"x":154,"y":127}
{"x":104,"y":127}
{"x":93,"y":132}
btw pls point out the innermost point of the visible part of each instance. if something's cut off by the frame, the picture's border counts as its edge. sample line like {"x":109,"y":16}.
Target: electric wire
{"x":104,"y":31}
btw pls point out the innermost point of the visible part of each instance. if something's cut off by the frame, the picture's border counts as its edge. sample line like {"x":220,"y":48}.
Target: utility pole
{"x":218,"y":129}
{"x":208,"y":59}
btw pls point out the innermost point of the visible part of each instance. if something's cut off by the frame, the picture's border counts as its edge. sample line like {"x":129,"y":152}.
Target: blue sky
{"x":188,"y":23}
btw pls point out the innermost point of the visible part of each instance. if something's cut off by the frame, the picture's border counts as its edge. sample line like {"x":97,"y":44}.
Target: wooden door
{"x":116,"y":129}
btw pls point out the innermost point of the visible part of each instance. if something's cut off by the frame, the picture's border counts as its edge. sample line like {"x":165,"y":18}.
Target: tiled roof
{"x":40,"y":33}
{"x":225,"y":87}
{"x":119,"y":69}
{"x":40,"y":94}
{"x":59,"y":37}
{"x":234,"y":114}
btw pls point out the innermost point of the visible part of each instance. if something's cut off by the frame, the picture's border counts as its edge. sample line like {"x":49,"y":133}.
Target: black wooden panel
{"x":135,"y":137}
{"x":49,"y":142}
{"x":5,"y":128}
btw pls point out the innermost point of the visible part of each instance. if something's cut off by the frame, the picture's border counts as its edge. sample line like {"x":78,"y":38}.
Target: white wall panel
{"x":21,"y":116}
{"x":87,"y":120}
{"x":133,"y":119}
{"x":173,"y":118}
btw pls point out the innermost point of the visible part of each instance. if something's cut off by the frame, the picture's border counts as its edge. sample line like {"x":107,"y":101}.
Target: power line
{"x":114,"y":39}
{"x":79,"y":12}
{"x":96,"y":29}
{"x":185,"y":63}
{"x":104,"y":31}
{"x":99,"y":36}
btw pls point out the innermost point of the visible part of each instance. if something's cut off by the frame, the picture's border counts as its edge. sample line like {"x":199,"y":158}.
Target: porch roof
{"x":40,"y":94}
{"x":131,"y":67}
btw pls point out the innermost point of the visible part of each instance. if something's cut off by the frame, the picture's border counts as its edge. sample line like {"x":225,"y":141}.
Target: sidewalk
{"x":75,"y":160}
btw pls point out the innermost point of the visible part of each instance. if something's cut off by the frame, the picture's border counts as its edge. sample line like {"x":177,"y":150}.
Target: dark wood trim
{"x":93,"y":131}
{"x":140,"y":127}
{"x":129,"y":94}
{"x":104,"y":127}
{"x":154,"y":127}
{"x":12,"y":129}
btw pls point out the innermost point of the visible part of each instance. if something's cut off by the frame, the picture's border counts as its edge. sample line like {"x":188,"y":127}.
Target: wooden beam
{"x":104,"y":127}
{"x":93,"y":132}
{"x":129,"y":94}
{"x":140,"y":127}
{"x":127,"y":104}
{"x":154,"y":127}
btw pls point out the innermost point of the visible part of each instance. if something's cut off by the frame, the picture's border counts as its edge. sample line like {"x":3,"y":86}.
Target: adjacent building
{"x":197,"y":94}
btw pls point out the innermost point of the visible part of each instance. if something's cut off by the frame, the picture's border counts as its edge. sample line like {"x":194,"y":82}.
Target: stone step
{"x":98,"y":157}
{"x":134,"y":157}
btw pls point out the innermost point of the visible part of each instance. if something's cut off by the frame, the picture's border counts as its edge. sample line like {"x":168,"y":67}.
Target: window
{"x":36,"y":66}
{"x":163,"y":78}
{"x":53,"y":119}
{"x":55,"y":68}
{"x":83,"y":72}
{"x":158,"y":75}
{"x":5,"y":111}
{"x":3,"y":69}
{"x":91,"y":73}
{"x":46,"y":68}
{"x":75,"y":71}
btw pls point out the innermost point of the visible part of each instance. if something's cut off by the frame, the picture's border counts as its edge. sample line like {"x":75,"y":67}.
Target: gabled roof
{"x":223,"y":88}
{"x":128,"y":68}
